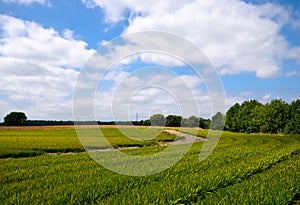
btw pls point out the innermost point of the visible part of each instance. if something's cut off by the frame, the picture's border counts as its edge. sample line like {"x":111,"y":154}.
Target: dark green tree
{"x":217,"y":121}
{"x":246,"y":115}
{"x":157,"y":120}
{"x":256,"y":117}
{"x":173,"y":121}
{"x":15,"y":119}
{"x":232,"y":118}
{"x":276,"y":116}
{"x":204,"y":123}
{"x":147,"y":123}
{"x":293,"y":125}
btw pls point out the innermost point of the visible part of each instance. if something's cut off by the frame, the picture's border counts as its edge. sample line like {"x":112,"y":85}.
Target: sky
{"x":45,"y":45}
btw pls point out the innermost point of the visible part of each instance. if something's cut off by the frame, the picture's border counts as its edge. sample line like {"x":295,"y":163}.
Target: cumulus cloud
{"x":147,"y":90}
{"x":236,"y":36}
{"x":146,"y":87}
{"x":39,"y":67}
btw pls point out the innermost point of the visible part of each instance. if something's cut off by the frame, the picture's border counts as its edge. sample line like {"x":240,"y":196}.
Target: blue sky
{"x":254,"y":46}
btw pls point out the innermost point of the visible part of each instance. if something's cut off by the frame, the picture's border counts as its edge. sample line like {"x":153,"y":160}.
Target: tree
{"x":246,"y":114}
{"x":157,"y":120}
{"x":173,"y":121}
{"x":293,"y":125}
{"x":204,"y":123}
{"x":217,"y":121}
{"x":232,"y":119}
{"x":147,"y":123}
{"x":15,"y":119}
{"x":277,"y":114}
{"x":192,"y":121}
{"x":256,"y":119}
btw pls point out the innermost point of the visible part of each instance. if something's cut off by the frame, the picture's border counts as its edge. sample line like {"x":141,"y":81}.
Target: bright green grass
{"x":243,"y":169}
{"x":18,"y":143}
{"x":26,"y":143}
{"x":199,"y":132}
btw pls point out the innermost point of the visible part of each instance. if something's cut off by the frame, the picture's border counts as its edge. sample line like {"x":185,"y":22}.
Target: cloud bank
{"x":236,"y":36}
{"x":39,"y":67}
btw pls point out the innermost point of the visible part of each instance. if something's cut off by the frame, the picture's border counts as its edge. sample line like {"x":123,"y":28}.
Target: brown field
{"x":59,"y":127}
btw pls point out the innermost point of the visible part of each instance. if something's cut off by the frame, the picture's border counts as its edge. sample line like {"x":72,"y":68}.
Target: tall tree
{"x":15,"y":119}
{"x":293,"y":125}
{"x":276,"y":116}
{"x":232,"y":120}
{"x":246,"y":114}
{"x":204,"y":123}
{"x":255,"y":120}
{"x":157,"y":120}
{"x":173,"y":121}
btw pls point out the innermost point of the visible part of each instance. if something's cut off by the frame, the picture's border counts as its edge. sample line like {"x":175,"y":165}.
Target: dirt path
{"x":186,"y":138}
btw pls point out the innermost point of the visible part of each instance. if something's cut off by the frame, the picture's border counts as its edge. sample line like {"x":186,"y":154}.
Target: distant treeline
{"x":155,"y":120}
{"x":177,"y":121}
{"x":249,"y":117}
{"x":69,"y":122}
{"x":48,"y":122}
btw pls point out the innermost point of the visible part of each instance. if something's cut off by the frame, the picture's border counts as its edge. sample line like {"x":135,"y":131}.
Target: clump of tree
{"x":173,"y":121}
{"x":177,"y":121}
{"x":274,"y":117}
{"x":293,"y":124}
{"x":49,"y":122}
{"x":15,"y":119}
{"x":158,"y":120}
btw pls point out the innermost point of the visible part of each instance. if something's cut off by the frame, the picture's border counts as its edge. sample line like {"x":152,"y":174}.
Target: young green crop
{"x":243,"y":169}
{"x":26,"y":143}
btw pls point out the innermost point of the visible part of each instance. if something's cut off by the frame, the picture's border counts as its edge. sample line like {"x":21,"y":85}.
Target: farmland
{"x":243,"y":169}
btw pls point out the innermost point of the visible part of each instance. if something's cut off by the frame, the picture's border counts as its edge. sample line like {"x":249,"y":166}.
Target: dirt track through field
{"x":186,"y":138}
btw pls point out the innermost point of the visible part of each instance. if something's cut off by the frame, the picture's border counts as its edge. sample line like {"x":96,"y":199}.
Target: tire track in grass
{"x":194,"y":197}
{"x":295,"y":200}
{"x":278,"y":185}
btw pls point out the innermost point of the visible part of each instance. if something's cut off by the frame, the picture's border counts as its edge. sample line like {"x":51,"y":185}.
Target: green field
{"x":243,"y":169}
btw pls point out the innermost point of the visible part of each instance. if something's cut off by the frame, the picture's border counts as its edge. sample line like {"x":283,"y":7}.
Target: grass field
{"x":243,"y":169}
{"x":17,"y":142}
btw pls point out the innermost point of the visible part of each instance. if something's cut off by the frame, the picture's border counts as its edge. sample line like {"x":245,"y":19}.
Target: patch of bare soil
{"x":185,"y":138}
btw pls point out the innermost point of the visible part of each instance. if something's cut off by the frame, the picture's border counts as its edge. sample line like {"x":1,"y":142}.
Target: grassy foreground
{"x":243,"y":169}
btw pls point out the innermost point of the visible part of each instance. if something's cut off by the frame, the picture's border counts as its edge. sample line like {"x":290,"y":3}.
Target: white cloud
{"x":38,"y":68}
{"x":164,"y":60}
{"x":27,"y":2}
{"x":148,"y":89}
{"x":291,"y":73}
{"x":174,"y":91}
{"x":294,"y":53}
{"x":236,"y":36}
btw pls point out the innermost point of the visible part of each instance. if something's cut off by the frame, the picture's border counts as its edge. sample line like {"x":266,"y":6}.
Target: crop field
{"x":243,"y":169}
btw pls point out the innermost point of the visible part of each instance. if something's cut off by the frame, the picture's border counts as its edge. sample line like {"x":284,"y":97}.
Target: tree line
{"x":20,"y":119}
{"x":248,"y":117}
{"x":177,"y":121}
{"x":254,"y":117}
